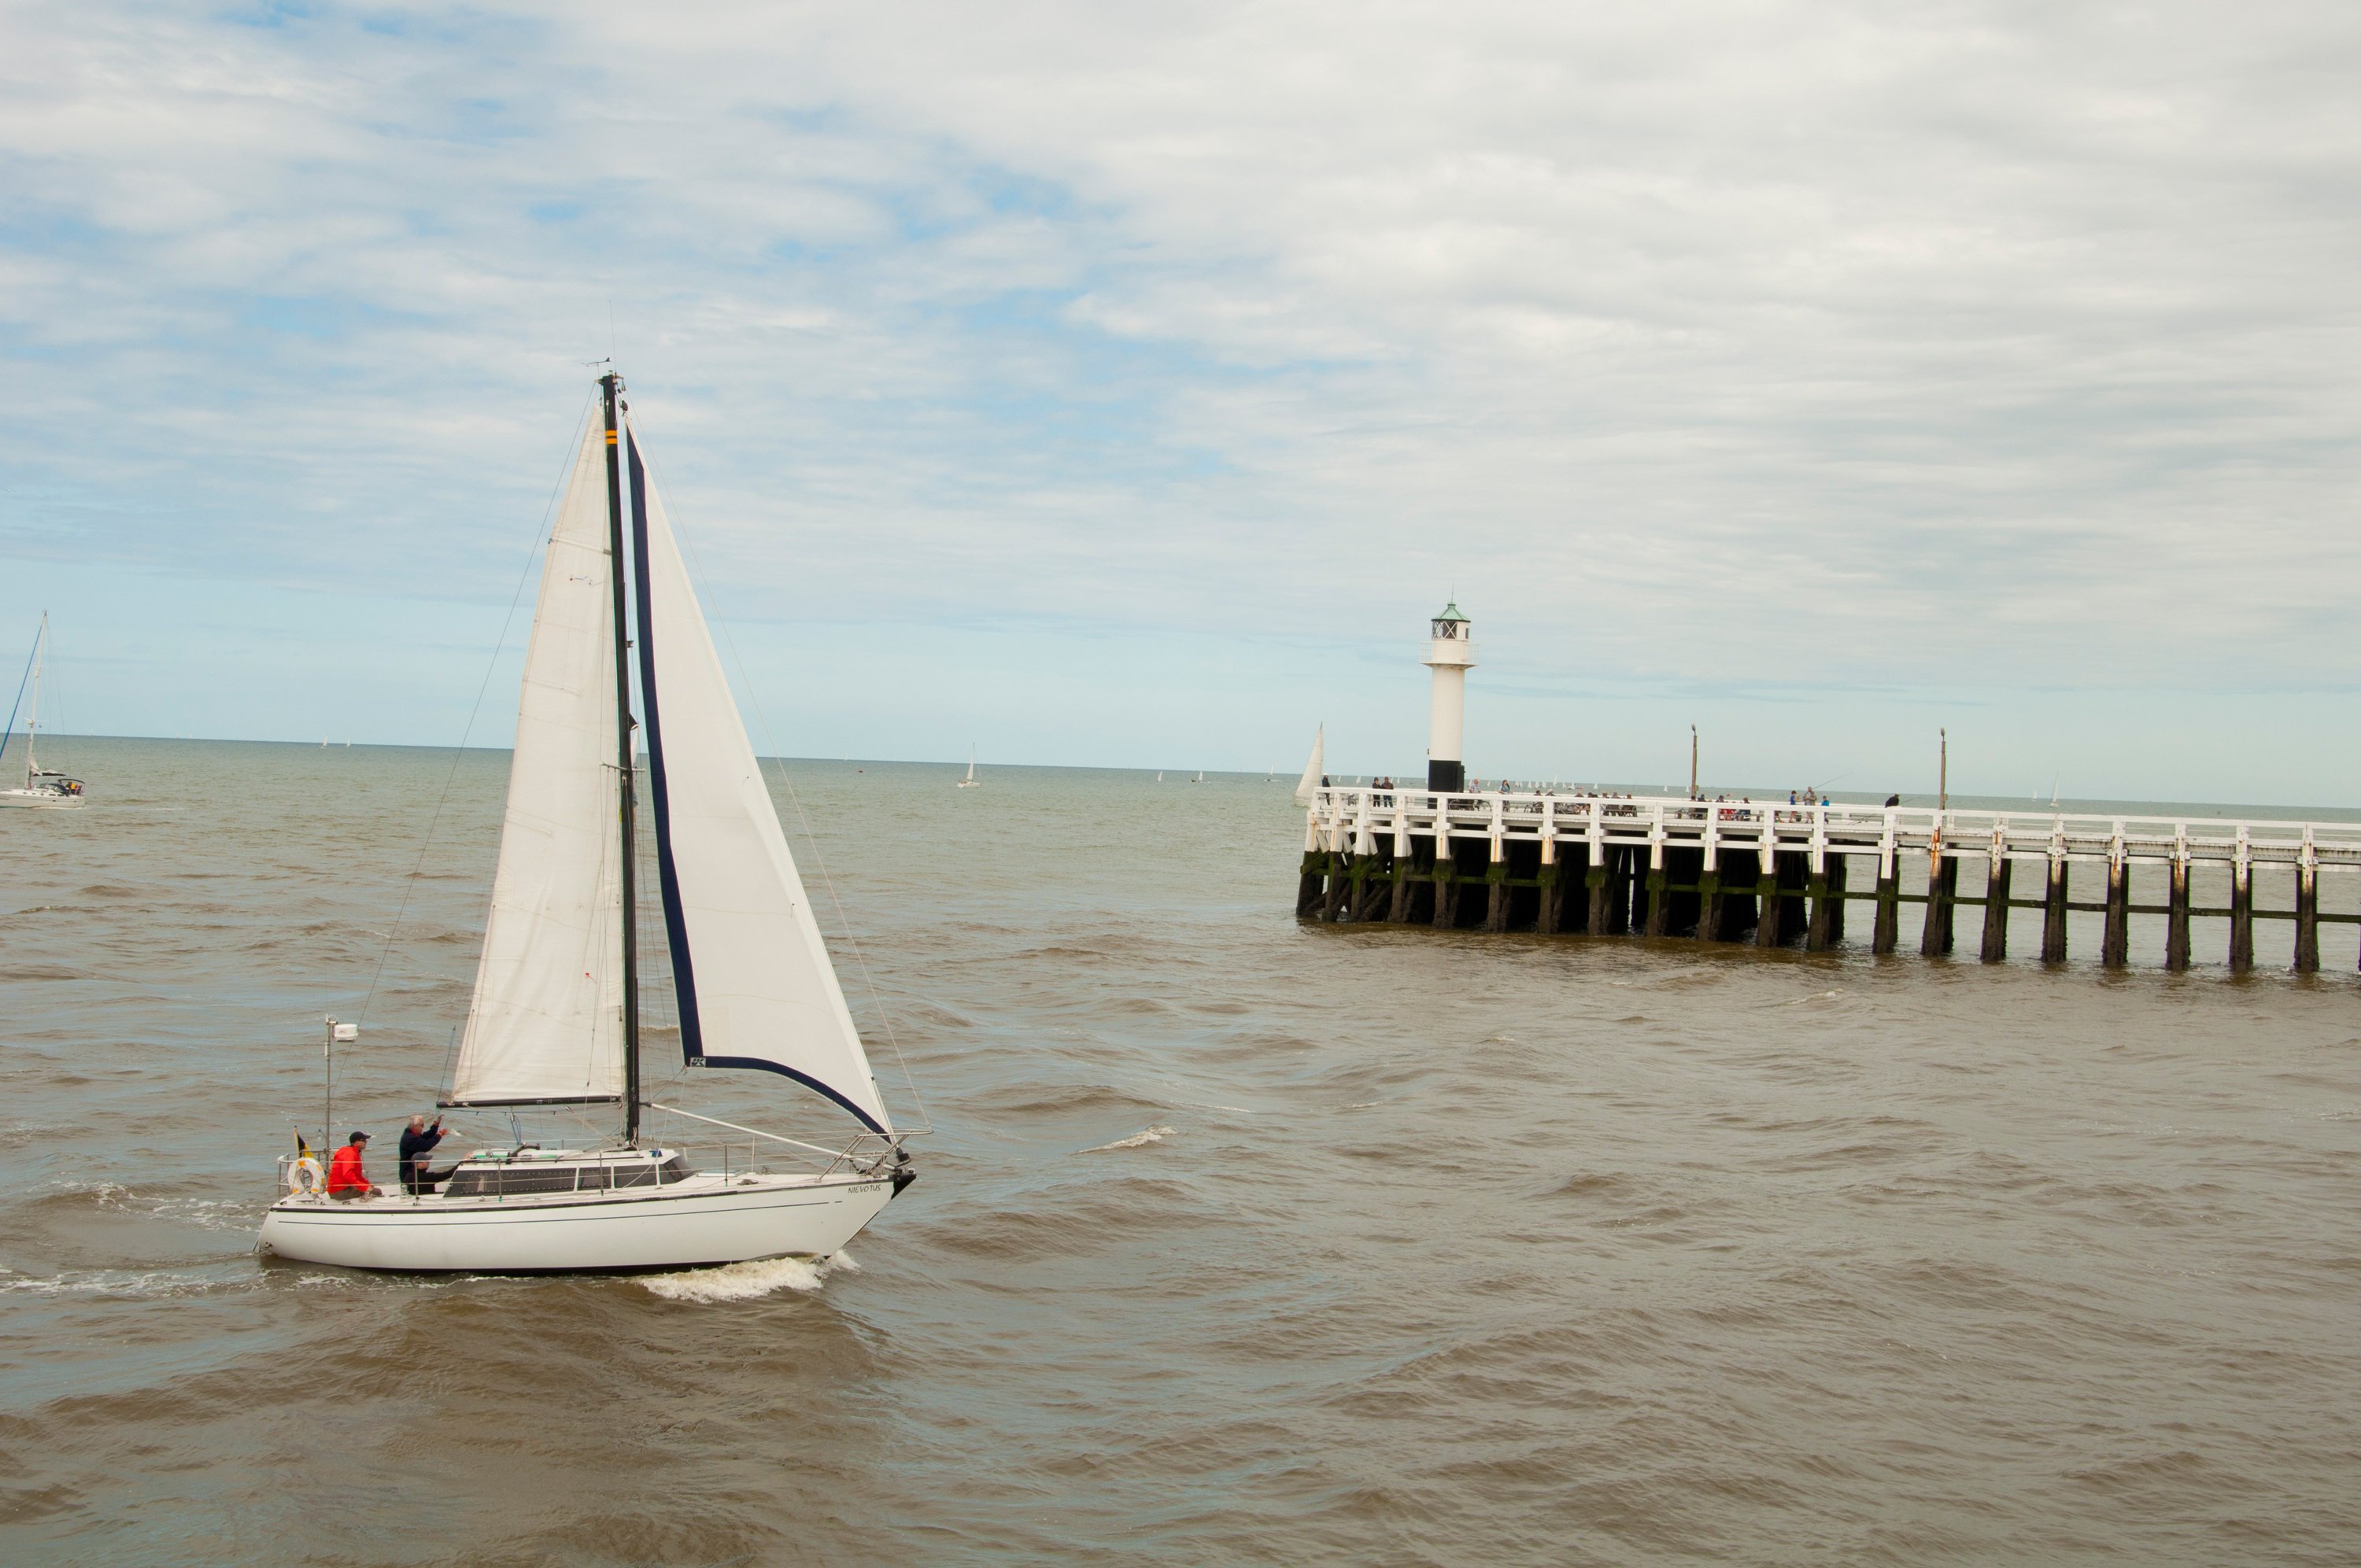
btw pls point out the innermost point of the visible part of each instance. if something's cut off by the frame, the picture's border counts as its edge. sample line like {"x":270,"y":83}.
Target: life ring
{"x":303,"y":1178}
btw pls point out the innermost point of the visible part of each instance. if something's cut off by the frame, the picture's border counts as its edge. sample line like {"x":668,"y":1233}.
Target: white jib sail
{"x":756,"y":988}
{"x":1315,"y":768}
{"x":546,"y":1021}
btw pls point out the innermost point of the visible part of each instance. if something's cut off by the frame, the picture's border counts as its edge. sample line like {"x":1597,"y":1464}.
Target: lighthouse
{"x":1450,"y":653}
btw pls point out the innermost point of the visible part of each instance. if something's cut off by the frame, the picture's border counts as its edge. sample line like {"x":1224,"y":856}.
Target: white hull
{"x":703,"y":1221}
{"x":39,"y":799}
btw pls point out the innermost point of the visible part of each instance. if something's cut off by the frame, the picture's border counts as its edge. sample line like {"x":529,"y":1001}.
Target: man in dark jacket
{"x":418,"y":1140}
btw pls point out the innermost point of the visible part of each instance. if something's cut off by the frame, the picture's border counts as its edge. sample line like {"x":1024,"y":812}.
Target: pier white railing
{"x":1351,"y":819}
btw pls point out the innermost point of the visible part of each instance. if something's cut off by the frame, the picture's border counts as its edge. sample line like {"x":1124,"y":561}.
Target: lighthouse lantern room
{"x":1450,"y":653}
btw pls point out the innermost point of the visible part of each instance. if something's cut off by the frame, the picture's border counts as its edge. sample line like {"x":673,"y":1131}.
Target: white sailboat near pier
{"x":555,"y":1021}
{"x":1315,"y":767}
{"x":43,"y":788}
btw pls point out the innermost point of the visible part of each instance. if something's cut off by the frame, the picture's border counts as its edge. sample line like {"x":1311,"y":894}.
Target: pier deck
{"x":1773,"y":873}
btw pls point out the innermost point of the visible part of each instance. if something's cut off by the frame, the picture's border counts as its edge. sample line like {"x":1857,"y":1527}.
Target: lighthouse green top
{"x":1451,"y":612}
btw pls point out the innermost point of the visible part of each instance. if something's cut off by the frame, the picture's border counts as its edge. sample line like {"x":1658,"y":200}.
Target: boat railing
{"x":849,"y":1156}
{"x":845,"y":1157}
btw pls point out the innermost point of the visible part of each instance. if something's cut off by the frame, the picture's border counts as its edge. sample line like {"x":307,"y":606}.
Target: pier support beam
{"x":1768,"y":905}
{"x":1309,"y":885}
{"x":2116,"y":946}
{"x":2053,"y":912}
{"x":1942,"y":886}
{"x":1339,"y":884}
{"x":1710,"y":907}
{"x":1657,"y":878}
{"x":1596,"y":883}
{"x":1573,"y":887}
{"x":2176,"y":917}
{"x":1496,"y":886}
{"x":1996,"y":880}
{"x":2242,"y":918}
{"x":1819,"y":935}
{"x":1445,"y":913}
{"x":1888,"y":931}
{"x":1839,"y":874}
{"x":2307,"y":919}
{"x":1373,"y":888}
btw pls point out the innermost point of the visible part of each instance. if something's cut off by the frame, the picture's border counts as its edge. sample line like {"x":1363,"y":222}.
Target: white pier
{"x":1773,"y":873}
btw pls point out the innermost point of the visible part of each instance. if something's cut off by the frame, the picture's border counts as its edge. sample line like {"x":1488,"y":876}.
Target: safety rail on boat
{"x":522,"y":1158}
{"x":1349,"y":818}
{"x":843,"y":1156}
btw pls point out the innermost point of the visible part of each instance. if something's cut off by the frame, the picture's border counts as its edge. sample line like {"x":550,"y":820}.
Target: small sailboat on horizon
{"x":971,"y":782}
{"x":554,"y":1023}
{"x":44,"y":788}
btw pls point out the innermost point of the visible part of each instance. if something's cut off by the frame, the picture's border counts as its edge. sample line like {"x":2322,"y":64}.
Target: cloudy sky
{"x":1124,"y":385}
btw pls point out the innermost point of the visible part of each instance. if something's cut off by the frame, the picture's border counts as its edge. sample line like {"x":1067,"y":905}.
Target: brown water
{"x":1239,"y":1241}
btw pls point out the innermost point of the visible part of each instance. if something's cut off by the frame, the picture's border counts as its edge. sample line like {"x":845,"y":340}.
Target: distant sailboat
{"x":1200,"y":778}
{"x":971,"y":782}
{"x":1159,"y":778}
{"x":43,"y":786}
{"x":1307,"y":790}
{"x":555,"y":1021}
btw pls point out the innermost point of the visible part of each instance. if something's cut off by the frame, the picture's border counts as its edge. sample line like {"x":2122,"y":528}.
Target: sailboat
{"x":971,"y":782}
{"x":1315,"y":768}
{"x":555,"y":1021}
{"x":43,"y":786}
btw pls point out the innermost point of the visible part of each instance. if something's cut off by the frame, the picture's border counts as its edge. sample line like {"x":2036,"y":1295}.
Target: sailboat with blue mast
{"x":555,"y":1020}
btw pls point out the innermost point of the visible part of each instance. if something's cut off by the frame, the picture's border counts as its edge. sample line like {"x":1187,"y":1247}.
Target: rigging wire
{"x":28,"y":675}
{"x":820,"y":861}
{"x":459,"y":752}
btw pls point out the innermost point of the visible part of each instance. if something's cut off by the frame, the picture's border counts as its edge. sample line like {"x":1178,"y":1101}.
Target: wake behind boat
{"x":43,"y":788}
{"x":555,"y":1021}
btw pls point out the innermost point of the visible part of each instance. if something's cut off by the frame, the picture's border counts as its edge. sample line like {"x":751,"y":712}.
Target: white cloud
{"x":1916,"y":342}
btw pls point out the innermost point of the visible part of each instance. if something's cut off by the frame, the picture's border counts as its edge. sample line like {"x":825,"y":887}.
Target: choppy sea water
{"x":1238,"y":1241}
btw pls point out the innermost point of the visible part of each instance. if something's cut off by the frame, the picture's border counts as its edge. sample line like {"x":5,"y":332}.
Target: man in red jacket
{"x":345,"y":1176}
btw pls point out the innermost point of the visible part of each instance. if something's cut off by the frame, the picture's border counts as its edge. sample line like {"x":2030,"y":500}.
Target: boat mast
{"x":626,"y":750}
{"x":33,"y":719}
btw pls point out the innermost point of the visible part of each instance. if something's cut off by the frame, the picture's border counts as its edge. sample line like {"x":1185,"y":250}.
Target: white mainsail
{"x":752,"y":974}
{"x":546,"y":1020}
{"x":1315,"y":768}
